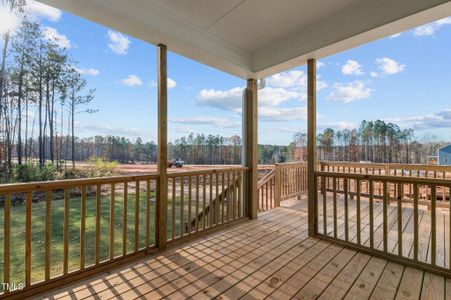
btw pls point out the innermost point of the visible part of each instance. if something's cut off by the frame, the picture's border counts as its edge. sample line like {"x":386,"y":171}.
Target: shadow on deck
{"x":271,"y":257}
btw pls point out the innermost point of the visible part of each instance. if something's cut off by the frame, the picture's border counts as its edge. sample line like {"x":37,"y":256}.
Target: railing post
{"x":162,"y":190}
{"x":250,"y":145}
{"x":311,"y":147}
{"x":277,"y":187}
{"x":387,"y":170}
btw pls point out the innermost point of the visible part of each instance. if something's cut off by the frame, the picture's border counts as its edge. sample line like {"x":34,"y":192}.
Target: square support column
{"x":311,"y":147}
{"x":162,"y":191}
{"x":250,"y":145}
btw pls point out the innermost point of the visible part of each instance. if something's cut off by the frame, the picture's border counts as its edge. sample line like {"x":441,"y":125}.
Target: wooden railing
{"x":53,"y":230}
{"x":58,"y":231}
{"x":204,"y":199}
{"x":399,"y":170}
{"x":387,"y":216}
{"x":285,"y":181}
{"x":412,"y":170}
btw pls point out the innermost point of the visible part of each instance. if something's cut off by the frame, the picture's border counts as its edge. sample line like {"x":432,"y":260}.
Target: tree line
{"x":375,"y":141}
{"x":41,"y":93}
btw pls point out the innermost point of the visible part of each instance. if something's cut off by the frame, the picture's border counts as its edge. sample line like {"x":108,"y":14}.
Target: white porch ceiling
{"x":257,"y":38}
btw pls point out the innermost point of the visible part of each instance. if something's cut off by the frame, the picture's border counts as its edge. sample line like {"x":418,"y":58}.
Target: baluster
{"x":345,"y":190}
{"x":148,"y":213}
{"x":358,"y":183}
{"x":385,"y":221}
{"x":323,"y":186}
{"x":48,"y":230}
{"x":415,"y":222}
{"x":371,"y":207}
{"x":434,"y":224}
{"x":197,"y":203}
{"x":124,"y":219}
{"x":182,"y":208}
{"x":204,"y":197}
{"x":136,"y":216}
{"x":234,"y":197}
{"x":266,"y":197}
{"x":400,"y":197}
{"x":211,"y":206}
{"x":98,"y":215}
{"x":28,"y":240}
{"x":240,"y":178}
{"x":82,"y":227}
{"x":66,"y":232}
{"x":174,"y":196}
{"x":112,"y":206}
{"x":334,"y":189}
{"x":190,"y":192}
{"x":222,"y":196}
{"x":229,"y":196}
{"x":7,"y":239}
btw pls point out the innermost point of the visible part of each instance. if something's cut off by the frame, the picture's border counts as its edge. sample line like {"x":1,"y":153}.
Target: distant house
{"x":444,"y":156}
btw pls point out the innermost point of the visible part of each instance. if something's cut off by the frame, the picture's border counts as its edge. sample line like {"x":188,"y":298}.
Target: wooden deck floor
{"x":270,"y":257}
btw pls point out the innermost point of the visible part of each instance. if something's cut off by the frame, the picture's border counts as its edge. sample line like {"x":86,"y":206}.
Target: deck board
{"x":272,"y":257}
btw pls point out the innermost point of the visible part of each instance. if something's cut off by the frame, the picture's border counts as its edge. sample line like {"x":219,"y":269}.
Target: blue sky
{"x":404,"y":78}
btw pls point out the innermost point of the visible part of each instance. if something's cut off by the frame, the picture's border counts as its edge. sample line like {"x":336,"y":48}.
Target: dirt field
{"x":130,"y":169}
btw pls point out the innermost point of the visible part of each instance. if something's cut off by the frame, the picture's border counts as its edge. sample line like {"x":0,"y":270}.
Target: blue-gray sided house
{"x":444,"y":156}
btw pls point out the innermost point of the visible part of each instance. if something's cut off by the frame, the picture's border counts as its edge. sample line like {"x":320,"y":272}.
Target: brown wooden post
{"x":277,"y":185}
{"x":311,"y":147}
{"x":162,"y":192}
{"x":250,"y":145}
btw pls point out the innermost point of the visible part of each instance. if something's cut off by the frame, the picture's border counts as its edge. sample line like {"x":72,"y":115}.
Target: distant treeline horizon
{"x":374,"y":141}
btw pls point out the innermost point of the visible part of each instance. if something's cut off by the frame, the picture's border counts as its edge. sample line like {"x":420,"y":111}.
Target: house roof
{"x":445,"y":148}
{"x":257,"y":38}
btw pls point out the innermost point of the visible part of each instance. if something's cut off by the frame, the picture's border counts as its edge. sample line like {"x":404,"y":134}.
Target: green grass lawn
{"x":57,"y":215}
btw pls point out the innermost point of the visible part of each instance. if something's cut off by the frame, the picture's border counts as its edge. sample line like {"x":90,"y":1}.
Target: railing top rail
{"x":207,"y":172}
{"x":414,"y":180}
{"x":390,"y":165}
{"x":67,"y":183}
{"x":290,"y":164}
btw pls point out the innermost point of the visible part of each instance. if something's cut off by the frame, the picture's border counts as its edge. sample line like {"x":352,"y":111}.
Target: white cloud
{"x":96,"y":129}
{"x":431,"y":28}
{"x":294,"y":81}
{"x":396,"y":35}
{"x":441,"y":119}
{"x":119,"y":43}
{"x":374,"y":74}
{"x":290,"y":79}
{"x":320,"y":64}
{"x":52,"y":35}
{"x":352,"y":67}
{"x":389,"y":66}
{"x":337,"y":125}
{"x":206,"y":120}
{"x":90,"y":71}
{"x":39,"y":10}
{"x":350,"y":92}
{"x":229,"y":100}
{"x":280,"y":88}
{"x":132,"y":80}
{"x":269,"y":96}
{"x":275,"y":114}
{"x":171,"y":83}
